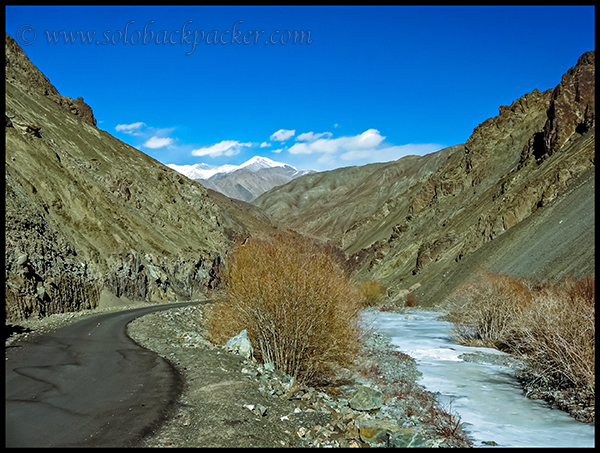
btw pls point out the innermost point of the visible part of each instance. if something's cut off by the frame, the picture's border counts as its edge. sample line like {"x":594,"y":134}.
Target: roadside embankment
{"x":232,"y":401}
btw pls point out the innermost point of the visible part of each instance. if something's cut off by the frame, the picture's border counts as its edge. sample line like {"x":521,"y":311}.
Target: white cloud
{"x":265,"y":145}
{"x":311,"y":136}
{"x":226,"y":148}
{"x":336,"y":125}
{"x":367,"y":140}
{"x":282,"y":135}
{"x":132,"y":129}
{"x":325,"y":153}
{"x":157,"y":142}
{"x":277,"y":151}
{"x":318,"y":146}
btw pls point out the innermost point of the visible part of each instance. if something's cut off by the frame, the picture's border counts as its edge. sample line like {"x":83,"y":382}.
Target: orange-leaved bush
{"x":551,"y":326}
{"x":372,"y":292}
{"x":488,"y":309}
{"x":296,"y":303}
{"x":411,"y":301}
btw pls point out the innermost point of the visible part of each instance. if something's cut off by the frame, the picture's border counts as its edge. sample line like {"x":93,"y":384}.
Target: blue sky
{"x":374,"y":83}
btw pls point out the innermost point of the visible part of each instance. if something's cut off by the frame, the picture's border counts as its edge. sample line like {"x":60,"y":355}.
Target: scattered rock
{"x":351,"y":430}
{"x":240,"y":344}
{"x":260,"y":410}
{"x":366,"y":398}
{"x":374,"y":437}
{"x":387,"y":432}
{"x":406,"y":439}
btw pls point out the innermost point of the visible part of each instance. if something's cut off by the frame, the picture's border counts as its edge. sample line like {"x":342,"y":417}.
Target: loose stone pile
{"x":356,"y":420}
{"x":382,"y":407}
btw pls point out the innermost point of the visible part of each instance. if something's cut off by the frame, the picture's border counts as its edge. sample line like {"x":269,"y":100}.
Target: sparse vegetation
{"x":487,"y":310}
{"x":372,"y":292}
{"x":411,"y":301}
{"x":558,"y":335}
{"x":551,"y":327}
{"x":295,"y":301}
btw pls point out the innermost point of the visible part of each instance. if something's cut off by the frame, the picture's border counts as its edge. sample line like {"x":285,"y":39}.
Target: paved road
{"x":87,"y":384}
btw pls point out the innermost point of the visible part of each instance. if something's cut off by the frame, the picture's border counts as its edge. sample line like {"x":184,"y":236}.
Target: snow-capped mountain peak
{"x":259,"y":162}
{"x":260,"y":174}
{"x":205,"y":171}
{"x":196,"y":171}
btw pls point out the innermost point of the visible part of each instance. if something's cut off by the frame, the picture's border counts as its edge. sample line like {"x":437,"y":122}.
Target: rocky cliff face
{"x":22,"y":73}
{"x":573,"y":107}
{"x":90,"y":220}
{"x":411,"y":222}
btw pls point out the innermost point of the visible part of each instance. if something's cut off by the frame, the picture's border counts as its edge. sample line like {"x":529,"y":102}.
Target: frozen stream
{"x":487,"y":397}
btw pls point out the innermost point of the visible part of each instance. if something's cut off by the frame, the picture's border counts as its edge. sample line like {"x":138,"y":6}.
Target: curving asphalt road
{"x":89,"y":385}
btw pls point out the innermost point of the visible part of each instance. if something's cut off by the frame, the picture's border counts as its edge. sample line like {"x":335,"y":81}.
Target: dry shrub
{"x":446,"y":423}
{"x":558,"y":333}
{"x":372,"y":292}
{"x":296,"y":303}
{"x":411,"y":301}
{"x":583,"y":290}
{"x":485,"y":310}
{"x":552,"y":327}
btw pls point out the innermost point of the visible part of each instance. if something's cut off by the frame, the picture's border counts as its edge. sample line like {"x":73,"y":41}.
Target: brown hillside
{"x":411,"y":221}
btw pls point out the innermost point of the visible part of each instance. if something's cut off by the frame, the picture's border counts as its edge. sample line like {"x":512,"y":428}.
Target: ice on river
{"x":487,"y":397}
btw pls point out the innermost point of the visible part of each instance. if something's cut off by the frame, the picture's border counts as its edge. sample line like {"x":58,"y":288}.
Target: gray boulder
{"x":406,"y":439}
{"x":241,"y":344}
{"x":366,"y":398}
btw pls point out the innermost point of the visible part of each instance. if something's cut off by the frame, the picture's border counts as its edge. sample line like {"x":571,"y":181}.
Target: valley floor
{"x":221,"y":388}
{"x":230,"y":401}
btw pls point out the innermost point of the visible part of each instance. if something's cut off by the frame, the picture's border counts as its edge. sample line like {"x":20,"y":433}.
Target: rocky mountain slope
{"x":243,"y":182}
{"x":247,"y":185}
{"x":416,"y":222}
{"x":92,"y":221}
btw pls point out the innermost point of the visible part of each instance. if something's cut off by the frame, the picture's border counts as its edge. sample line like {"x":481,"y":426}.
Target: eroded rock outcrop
{"x":21,"y":72}
{"x":573,"y":106}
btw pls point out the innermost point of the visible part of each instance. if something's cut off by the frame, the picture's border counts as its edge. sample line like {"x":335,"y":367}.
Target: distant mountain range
{"x":243,"y":182}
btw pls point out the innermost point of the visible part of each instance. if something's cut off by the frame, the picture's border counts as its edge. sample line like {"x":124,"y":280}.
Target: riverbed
{"x":479,"y":385}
